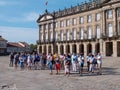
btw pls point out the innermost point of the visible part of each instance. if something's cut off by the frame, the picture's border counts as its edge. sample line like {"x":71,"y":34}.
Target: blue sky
{"x":18,"y":17}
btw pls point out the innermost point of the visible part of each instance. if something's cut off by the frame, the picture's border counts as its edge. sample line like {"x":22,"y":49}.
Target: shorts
{"x":81,"y":64}
{"x":57,"y":66}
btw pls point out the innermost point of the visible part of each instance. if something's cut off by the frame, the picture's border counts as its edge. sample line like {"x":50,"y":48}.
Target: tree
{"x":33,"y":47}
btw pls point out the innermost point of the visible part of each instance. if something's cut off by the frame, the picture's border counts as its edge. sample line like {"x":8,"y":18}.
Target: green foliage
{"x":33,"y":47}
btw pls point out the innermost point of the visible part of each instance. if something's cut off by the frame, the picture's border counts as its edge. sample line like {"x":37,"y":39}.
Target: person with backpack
{"x":16,"y":60}
{"x":67,"y":63}
{"x":74,"y":62}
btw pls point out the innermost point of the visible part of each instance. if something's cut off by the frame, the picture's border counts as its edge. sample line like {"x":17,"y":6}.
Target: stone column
{"x":52,"y":48}
{"x":42,"y":48}
{"x":114,"y":48}
{"x":104,"y":48}
{"x":64,"y":48}
{"x":85,"y":49}
{"x":71,"y":48}
{"x":93,"y":47}
{"x":58,"y":48}
{"x":46,"y":49}
{"x":101,"y":47}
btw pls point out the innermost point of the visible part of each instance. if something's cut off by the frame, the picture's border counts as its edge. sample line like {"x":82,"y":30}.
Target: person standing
{"x":74,"y":62}
{"x":99,"y":62}
{"x":29,"y":61}
{"x":11,"y":59}
{"x":57,"y":64}
{"x":81,"y":63}
{"x":21,"y":60}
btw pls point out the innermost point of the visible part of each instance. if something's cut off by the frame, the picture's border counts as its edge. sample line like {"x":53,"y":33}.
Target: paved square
{"x":41,"y":80}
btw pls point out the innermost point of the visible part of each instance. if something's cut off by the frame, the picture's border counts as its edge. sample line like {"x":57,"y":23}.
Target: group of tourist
{"x":67,"y":62}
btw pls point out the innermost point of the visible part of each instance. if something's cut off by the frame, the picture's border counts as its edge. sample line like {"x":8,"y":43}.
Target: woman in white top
{"x":99,"y":62}
{"x":29,"y":62}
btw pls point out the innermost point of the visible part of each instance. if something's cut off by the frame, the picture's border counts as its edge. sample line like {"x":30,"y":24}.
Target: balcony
{"x":108,"y":36}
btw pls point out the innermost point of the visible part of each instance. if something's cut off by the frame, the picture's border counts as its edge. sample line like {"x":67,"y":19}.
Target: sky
{"x":18,"y":17}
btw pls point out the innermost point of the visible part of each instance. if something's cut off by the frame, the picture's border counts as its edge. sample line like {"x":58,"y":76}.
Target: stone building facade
{"x":3,"y":46}
{"x":89,"y":27}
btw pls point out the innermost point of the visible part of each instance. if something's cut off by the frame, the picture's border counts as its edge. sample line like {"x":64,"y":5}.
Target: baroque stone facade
{"x":89,"y":27}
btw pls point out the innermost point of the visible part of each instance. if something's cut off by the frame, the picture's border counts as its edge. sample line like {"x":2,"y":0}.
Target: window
{"x":46,"y":26}
{"x":68,"y":35}
{"x":41,"y":27}
{"x":89,"y":18}
{"x":67,"y":22}
{"x":61,"y":35}
{"x":51,"y":36}
{"x":119,"y":12}
{"x":50,"y":26}
{"x":56,"y":24}
{"x":56,"y":36}
{"x":97,"y":16}
{"x":110,"y":31}
{"x":74,"y":34}
{"x":109,"y":14}
{"x":74,"y":21}
{"x":81,"y":33}
{"x":41,"y":36}
{"x":89,"y":32}
{"x":61,"y":24}
{"x":81,"y":20}
{"x":98,"y":31}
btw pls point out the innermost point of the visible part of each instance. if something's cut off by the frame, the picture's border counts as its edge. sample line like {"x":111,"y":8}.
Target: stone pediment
{"x":45,"y":17}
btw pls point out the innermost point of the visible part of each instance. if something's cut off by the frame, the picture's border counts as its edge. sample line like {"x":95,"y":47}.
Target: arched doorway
{"x":61,"y":49}
{"x":97,"y":48}
{"x":81,"y":47}
{"x":118,"y":49}
{"x":49,"y":49}
{"x":56,"y":48}
{"x":89,"y":48}
{"x":45,"y":49}
{"x":74,"y":48}
{"x":109,"y":48}
{"x":40,"y":49}
{"x":68,"y":48}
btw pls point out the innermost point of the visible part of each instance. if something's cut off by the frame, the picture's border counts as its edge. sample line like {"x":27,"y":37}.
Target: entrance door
{"x":44,"y":49}
{"x":89,"y":49}
{"x":40,"y":49}
{"x":61,"y":49}
{"x":109,"y":49}
{"x":97,"y":48}
{"x":67,"y":48}
{"x":81,"y":48}
{"x":118,"y":49}
{"x":74,"y":48}
{"x":49,"y":49}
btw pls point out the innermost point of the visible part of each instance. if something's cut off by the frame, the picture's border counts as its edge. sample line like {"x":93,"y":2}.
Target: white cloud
{"x":27,"y":17}
{"x":4,"y":3}
{"x":15,"y":34}
{"x":32,"y":16}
